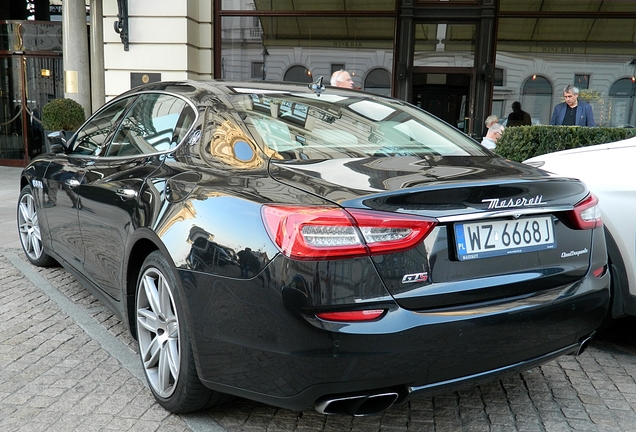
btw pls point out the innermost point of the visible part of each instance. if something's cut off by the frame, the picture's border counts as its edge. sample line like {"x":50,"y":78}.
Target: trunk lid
{"x":476,"y":197}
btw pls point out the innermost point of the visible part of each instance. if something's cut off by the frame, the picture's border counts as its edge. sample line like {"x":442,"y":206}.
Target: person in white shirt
{"x":494,"y":132}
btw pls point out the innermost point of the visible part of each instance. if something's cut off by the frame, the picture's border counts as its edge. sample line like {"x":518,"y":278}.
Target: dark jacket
{"x":584,"y":114}
{"x":519,"y":118}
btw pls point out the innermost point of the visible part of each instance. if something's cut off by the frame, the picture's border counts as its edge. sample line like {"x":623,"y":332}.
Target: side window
{"x":91,"y":138}
{"x":155,"y":123}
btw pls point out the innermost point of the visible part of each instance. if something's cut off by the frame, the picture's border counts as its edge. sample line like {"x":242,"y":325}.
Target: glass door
{"x":443,"y":69}
{"x":11,"y":118}
{"x":44,"y":83}
{"x":26,"y":85}
{"x":443,"y":95}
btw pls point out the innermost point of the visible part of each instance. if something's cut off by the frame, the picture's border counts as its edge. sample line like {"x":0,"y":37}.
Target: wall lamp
{"x":121,"y":25}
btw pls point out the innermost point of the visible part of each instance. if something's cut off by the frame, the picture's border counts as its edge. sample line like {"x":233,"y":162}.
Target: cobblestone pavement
{"x":67,"y":363}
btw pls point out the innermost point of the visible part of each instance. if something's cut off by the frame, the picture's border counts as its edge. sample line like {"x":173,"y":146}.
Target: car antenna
{"x":317,"y":86}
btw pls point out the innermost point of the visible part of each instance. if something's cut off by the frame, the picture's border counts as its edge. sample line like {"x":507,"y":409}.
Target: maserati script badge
{"x":497,"y":203}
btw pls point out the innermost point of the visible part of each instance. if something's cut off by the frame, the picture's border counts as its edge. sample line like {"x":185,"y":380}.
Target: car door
{"x":62,"y":178}
{"x":65,"y":175}
{"x":114,"y":183}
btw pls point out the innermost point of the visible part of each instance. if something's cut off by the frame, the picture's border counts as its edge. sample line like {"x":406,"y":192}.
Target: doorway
{"x":27,"y":83}
{"x":445,"y":95}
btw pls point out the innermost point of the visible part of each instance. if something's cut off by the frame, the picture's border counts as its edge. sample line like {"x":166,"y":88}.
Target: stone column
{"x":75,"y":53}
{"x":97,"y":55}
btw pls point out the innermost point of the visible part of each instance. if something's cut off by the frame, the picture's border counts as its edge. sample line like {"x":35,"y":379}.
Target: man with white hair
{"x":341,"y":78}
{"x":491,"y":120}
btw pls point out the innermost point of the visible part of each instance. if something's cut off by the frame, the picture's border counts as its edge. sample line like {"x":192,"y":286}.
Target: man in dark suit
{"x":572,"y":112}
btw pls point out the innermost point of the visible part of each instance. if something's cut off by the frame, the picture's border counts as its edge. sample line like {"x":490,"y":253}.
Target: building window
{"x":445,"y":45}
{"x":258,"y":70}
{"x":582,"y":81}
{"x":356,"y":43}
{"x":498,"y":109}
{"x":298,"y":74}
{"x":378,"y":81}
{"x":304,"y":5}
{"x":498,"y":78}
{"x":537,"y":98}
{"x":336,"y":67}
{"x":621,"y":103}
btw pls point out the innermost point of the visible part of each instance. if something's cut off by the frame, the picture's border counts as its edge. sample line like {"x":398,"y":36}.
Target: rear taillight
{"x":586,"y":214}
{"x":599,"y":271}
{"x":352,"y":316}
{"x":311,"y":233}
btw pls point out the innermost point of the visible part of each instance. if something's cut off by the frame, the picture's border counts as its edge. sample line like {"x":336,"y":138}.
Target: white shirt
{"x":488,"y":143}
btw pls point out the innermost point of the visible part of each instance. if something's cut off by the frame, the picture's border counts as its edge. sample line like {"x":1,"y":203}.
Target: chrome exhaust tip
{"x":583,"y":344}
{"x":356,"y":405}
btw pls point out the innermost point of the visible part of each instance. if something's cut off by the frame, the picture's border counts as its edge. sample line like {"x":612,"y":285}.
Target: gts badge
{"x":416,"y":277}
{"x":37,"y":184}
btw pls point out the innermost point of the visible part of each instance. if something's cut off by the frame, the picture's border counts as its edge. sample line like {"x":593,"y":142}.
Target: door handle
{"x":126,"y":193}
{"x":72,"y":183}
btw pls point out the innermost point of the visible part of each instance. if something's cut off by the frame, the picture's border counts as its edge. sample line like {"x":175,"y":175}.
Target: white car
{"x":609,"y":170}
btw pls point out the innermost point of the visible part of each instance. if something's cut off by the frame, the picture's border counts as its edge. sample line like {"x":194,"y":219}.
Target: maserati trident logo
{"x":497,"y":203}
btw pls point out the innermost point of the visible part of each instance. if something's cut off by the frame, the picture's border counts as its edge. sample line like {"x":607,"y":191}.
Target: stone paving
{"x":67,"y":363}
{"x":55,"y":377}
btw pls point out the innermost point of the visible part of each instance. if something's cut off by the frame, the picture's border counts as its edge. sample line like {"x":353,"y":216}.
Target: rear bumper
{"x":487,"y":376}
{"x":248,"y":344}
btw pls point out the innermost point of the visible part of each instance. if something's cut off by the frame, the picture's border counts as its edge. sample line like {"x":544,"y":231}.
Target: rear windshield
{"x":329,"y":126}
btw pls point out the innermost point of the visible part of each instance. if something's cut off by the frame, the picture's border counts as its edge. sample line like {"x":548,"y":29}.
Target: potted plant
{"x":61,"y":115}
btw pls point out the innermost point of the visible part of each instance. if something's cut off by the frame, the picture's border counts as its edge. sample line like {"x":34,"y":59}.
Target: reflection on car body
{"x":303,"y":245}
{"x":608,"y":171}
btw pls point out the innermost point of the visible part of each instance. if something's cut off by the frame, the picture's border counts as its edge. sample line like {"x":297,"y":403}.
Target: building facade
{"x":461,"y":60}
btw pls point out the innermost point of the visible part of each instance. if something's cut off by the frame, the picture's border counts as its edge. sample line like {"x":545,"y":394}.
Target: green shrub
{"x":62,"y":114}
{"x":523,"y":142}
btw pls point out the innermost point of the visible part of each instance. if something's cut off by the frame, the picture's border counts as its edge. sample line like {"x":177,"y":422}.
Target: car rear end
{"x":399,"y":272}
{"x":504,"y":278}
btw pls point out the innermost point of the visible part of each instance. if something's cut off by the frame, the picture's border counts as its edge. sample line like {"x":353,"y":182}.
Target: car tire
{"x":164,"y":342}
{"x":29,"y":230}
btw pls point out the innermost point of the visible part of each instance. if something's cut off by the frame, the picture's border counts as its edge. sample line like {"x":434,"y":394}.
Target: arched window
{"x":621,"y":103}
{"x":298,"y":74}
{"x":537,"y":99}
{"x":378,"y":81}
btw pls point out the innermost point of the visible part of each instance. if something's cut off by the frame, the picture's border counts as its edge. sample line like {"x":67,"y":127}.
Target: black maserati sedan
{"x":305,"y":245}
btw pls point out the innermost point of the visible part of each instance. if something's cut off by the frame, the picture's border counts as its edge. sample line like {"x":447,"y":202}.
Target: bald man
{"x":342,"y":79}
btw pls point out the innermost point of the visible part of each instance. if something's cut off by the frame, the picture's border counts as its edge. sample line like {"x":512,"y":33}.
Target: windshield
{"x":329,"y":126}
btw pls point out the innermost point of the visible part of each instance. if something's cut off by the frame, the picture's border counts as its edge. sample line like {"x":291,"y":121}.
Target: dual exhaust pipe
{"x":365,"y":404}
{"x":357,"y":404}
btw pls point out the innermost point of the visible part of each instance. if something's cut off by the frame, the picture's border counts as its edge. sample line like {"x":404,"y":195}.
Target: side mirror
{"x":58,"y":141}
{"x":57,"y":137}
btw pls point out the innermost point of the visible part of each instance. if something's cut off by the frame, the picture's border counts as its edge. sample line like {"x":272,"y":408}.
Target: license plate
{"x":504,"y":237}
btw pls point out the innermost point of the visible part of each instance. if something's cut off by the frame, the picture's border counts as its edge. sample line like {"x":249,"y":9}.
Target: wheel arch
{"x":622,"y":302}
{"x":137,"y":254}
{"x":23,"y":182}
{"x":143,"y":242}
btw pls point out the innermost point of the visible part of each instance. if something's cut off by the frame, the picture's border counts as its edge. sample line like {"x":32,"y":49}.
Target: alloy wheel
{"x":29,"y":228}
{"x":158,"y":332}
